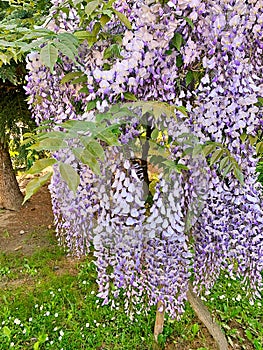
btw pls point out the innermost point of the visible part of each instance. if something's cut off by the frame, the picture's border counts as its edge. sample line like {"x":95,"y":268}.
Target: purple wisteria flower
{"x":199,"y":219}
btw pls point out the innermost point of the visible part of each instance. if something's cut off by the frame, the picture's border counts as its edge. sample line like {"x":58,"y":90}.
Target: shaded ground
{"x":22,"y":230}
{"x":25,"y":232}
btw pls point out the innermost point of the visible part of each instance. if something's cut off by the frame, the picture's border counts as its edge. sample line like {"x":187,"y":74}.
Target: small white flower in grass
{"x":56,"y":314}
{"x":207,"y":292}
{"x":92,"y":292}
{"x":17,"y":321}
{"x":12,"y":344}
{"x":30,"y":319}
{"x":47,"y":313}
{"x":251,"y":302}
{"x":24,"y":331}
{"x":51,"y":342}
{"x":3,"y":322}
{"x":36,"y":306}
{"x":59,"y":338}
{"x":41,"y":307}
{"x":222,"y":297}
{"x":87,"y":325}
{"x":238,"y":298}
{"x":59,"y":290}
{"x":55,"y":329}
{"x":229,"y":284}
{"x":61,"y":333}
{"x":259,"y":304}
{"x":84,"y":282}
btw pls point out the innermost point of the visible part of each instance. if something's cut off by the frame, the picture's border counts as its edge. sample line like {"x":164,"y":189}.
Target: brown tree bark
{"x":159,"y":321}
{"x":205,"y":316}
{"x":10,"y":195}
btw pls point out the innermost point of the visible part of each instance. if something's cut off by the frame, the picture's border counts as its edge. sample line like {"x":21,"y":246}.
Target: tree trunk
{"x":204,"y":316}
{"x":10,"y":195}
{"x":159,"y":321}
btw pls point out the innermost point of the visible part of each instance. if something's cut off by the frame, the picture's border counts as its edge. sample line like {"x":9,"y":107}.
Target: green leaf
{"x":36,"y":346}
{"x":33,"y":45}
{"x":83,"y":35}
{"x":252,"y":139}
{"x":91,"y":105}
{"x":91,"y":7}
{"x":223,"y":163}
{"x":6,"y":331}
{"x":123,"y":19}
{"x":65,"y":50}
{"x":51,"y":135}
{"x":34,"y":185}
{"x":189,"y":77}
{"x":197,"y":150}
{"x":216,"y":155}
{"x":81,"y":79}
{"x":70,"y":176}
{"x":209,"y":149}
{"x":95,"y":148}
{"x":79,"y":125}
{"x":104,"y":20}
{"x":155,"y":134}
{"x":43,"y":338}
{"x":227,"y":170}
{"x":96,"y":29}
{"x":259,"y":148}
{"x":243,"y":137}
{"x":249,"y":335}
{"x":179,"y":61}
{"x":189,"y":21}
{"x":107,"y":135}
{"x":49,"y":56}
{"x":129,"y":97}
{"x":70,"y":41}
{"x":70,"y":76}
{"x":239,"y":175}
{"x":86,"y":157}
{"x":181,"y":109}
{"x":49,"y":144}
{"x":177,"y":41}
{"x":260,"y":101}
{"x":112,"y":51}
{"x":40,"y":165}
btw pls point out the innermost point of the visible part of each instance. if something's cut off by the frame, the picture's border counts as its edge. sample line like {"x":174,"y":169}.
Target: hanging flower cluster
{"x":148,"y":253}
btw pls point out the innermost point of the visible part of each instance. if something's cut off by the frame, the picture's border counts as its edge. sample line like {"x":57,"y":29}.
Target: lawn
{"x":48,"y":301}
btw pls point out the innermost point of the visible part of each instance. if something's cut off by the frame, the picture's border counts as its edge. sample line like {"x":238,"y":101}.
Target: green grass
{"x":43,"y":307}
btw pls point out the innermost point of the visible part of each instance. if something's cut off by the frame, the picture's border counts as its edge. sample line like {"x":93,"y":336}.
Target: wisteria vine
{"x":202,"y":55}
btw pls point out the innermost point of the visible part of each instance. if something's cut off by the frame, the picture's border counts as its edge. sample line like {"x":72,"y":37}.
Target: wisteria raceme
{"x":226,"y":110}
{"x":147,"y":253}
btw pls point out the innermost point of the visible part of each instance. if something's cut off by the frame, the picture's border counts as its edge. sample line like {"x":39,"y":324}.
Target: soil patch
{"x":24,"y":230}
